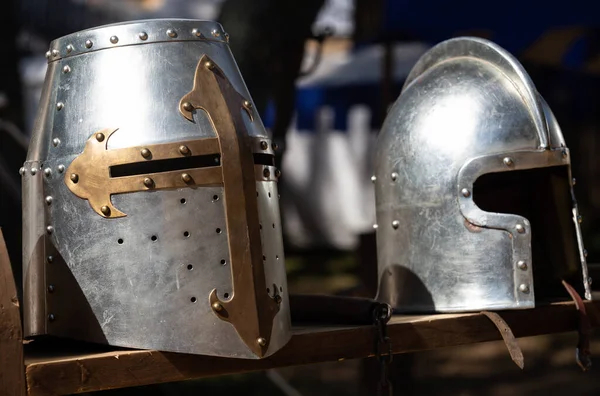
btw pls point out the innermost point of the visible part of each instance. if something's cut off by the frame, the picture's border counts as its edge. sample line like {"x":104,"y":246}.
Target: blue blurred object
{"x":562,"y":32}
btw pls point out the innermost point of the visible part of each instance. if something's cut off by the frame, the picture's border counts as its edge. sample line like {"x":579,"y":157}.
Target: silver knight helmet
{"x":151,"y":213}
{"x":474,"y":194}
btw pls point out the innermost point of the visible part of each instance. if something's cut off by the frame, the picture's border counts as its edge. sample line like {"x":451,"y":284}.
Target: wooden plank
{"x":12,"y":373}
{"x":100,"y":371}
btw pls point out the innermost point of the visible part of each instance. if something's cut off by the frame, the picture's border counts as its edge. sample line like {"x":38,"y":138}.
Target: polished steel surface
{"x":468,"y":108}
{"x":142,"y":280}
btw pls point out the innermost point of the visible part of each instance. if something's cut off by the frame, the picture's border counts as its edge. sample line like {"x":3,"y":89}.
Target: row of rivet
{"x":265,"y":146}
{"x":172,"y":33}
{"x":47,"y":171}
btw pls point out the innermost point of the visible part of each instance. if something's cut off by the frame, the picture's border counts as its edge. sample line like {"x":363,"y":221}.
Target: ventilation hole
{"x":190,"y":267}
{"x":186,"y":234}
{"x":182,"y":200}
{"x":154,"y":238}
{"x":215,"y":197}
{"x":273,"y":225}
{"x":269,"y":194}
{"x":281,"y":288}
{"x":193,"y":299}
{"x":257,"y":193}
{"x":276,"y":257}
{"x":120,"y":241}
{"x":264,"y":258}
{"x":223,"y":262}
{"x":260,"y":225}
{"x":218,"y":231}
{"x":268,"y":290}
{"x":226,"y":295}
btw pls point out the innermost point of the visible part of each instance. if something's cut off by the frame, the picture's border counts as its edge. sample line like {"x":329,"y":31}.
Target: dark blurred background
{"x":322,"y":74}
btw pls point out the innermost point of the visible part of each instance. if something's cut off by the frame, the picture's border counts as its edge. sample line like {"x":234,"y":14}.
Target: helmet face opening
{"x":542,"y":196}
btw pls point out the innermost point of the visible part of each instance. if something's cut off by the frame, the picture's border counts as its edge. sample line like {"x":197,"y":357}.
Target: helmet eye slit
{"x":164,"y":165}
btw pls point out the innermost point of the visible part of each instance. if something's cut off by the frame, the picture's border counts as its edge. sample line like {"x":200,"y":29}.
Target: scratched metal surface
{"x":466,"y":98}
{"x":111,"y":283}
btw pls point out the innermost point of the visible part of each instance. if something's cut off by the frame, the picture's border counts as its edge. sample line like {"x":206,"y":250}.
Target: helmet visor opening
{"x":543,"y":197}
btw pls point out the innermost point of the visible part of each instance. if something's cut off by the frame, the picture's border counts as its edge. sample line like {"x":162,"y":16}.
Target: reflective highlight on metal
{"x":152,"y":220}
{"x":467,"y":109}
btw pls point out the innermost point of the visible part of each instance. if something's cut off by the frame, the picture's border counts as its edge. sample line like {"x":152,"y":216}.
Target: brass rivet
{"x":70,"y":48}
{"x":105,"y":210}
{"x":51,"y":317}
{"x":522,"y":265}
{"x":171,"y":33}
{"x":50,"y":288}
{"x":55,"y":53}
{"x":148,"y":182}
{"x":394,"y":176}
{"x":186,"y":177}
{"x":143,"y":36}
{"x":215,"y":33}
{"x":277,"y":173}
{"x":275,"y":146}
{"x":145,"y":153}
{"x":196,"y":32}
{"x":373,"y":178}
{"x":48,"y":54}
{"x":395,"y":224}
{"x":59,"y":106}
{"x":565,"y":154}
{"x":66,"y":69}
{"x":74,"y":177}
{"x":49,"y":229}
{"x":187,"y":106}
{"x":88,"y":44}
{"x":507,"y":161}
{"x":184,"y":150}
{"x":50,"y":259}
{"x":226,"y":37}
{"x":266,"y":173}
{"x":48,"y":172}
{"x":217,"y":307}
{"x":49,"y":200}
{"x":55,"y":142}
{"x":580,"y":219}
{"x":574,"y":181}
{"x":465,"y":192}
{"x":99,"y":137}
{"x":21,"y":171}
{"x":261,"y":341}
{"x":247,"y":104}
{"x":114,"y":39}
{"x":61,"y":168}
{"x":264,"y":145}
{"x":209,"y":65}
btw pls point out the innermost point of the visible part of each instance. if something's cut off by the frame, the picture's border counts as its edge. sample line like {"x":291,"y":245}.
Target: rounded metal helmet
{"x":474,"y":194}
{"x":151,"y":213}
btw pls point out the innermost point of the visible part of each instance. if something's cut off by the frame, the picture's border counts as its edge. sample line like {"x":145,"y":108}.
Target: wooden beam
{"x":68,"y":374}
{"x":12,"y":372}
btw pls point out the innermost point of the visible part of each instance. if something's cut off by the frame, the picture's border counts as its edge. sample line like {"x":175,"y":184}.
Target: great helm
{"x":151,"y":214}
{"x":474,"y":194}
